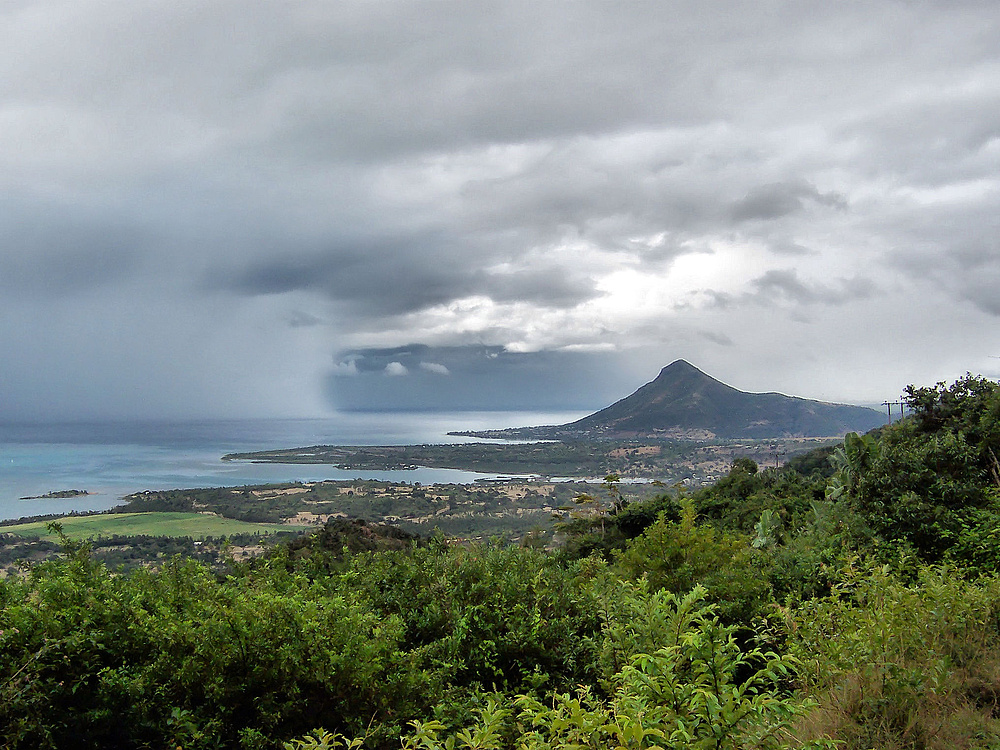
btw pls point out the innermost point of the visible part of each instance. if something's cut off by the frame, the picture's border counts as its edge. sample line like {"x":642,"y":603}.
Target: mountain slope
{"x":684,"y":399}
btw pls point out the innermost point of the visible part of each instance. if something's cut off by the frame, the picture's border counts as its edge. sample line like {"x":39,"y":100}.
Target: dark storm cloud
{"x":982,"y":291}
{"x":781,"y":199}
{"x":299,"y":319}
{"x":789,"y":247}
{"x":410,"y":77}
{"x":273,"y":182}
{"x":396,"y":277}
{"x":951,"y":243}
{"x":45,"y":250}
{"x":552,"y":287}
{"x":80,"y":267}
{"x":969,"y":273}
{"x":784,"y":287}
{"x":420,"y":376}
{"x":718,"y":338}
{"x":369,"y":286}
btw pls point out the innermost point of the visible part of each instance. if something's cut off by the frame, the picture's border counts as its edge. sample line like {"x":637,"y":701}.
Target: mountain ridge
{"x":684,"y":402}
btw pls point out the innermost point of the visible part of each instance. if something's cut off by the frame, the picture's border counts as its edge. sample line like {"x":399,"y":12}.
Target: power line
{"x":889,"y":404}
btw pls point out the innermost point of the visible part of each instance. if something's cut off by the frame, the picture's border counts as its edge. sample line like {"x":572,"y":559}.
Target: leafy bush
{"x":92,"y":659}
{"x":898,"y":665}
{"x":684,"y":694}
{"x":737,"y":501}
{"x":922,"y":481}
{"x":483,"y":614}
{"x":678,"y":556}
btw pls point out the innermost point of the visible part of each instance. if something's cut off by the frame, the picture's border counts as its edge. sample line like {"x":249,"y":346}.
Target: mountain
{"x":684,"y":402}
{"x":684,"y":399}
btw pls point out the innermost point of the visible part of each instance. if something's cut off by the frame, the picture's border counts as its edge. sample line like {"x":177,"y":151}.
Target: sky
{"x":288,"y":208}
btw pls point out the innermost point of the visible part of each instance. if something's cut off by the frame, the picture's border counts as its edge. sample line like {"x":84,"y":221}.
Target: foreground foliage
{"x":903,"y":664}
{"x":686,"y":692}
{"x":855,"y":607}
{"x":97,"y":660}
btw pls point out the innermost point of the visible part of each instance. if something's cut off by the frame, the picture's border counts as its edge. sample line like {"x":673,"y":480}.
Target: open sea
{"x":113,"y":459}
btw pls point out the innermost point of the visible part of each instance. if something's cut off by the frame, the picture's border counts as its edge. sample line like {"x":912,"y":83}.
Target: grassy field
{"x":196,"y":525}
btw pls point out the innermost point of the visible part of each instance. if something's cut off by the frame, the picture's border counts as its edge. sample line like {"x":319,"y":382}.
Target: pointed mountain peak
{"x":680,"y":377}
{"x":679,"y":364}
{"x":684,"y":400}
{"x":680,"y":367}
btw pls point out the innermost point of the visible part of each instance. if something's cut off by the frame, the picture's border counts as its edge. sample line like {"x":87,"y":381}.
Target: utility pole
{"x":889,"y":404}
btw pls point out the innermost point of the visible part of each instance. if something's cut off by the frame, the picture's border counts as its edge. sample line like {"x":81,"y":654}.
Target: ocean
{"x":111,"y":459}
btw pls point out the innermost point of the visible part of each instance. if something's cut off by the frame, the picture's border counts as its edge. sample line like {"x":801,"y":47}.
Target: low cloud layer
{"x":208,"y":208}
{"x":474,"y":377}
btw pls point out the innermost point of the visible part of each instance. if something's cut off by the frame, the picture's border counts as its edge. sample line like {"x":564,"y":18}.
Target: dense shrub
{"x":902,"y":665}
{"x":92,"y":659}
{"x":737,"y":501}
{"x":484,"y":614}
{"x":923,"y":481}
{"x":682,"y":691}
{"x":679,"y":555}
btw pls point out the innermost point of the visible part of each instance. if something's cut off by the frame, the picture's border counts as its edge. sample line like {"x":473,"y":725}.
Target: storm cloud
{"x":223,"y":209}
{"x":477,"y":377}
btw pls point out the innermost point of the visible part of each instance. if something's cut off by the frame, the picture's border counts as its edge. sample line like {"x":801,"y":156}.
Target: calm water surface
{"x":112,"y":459}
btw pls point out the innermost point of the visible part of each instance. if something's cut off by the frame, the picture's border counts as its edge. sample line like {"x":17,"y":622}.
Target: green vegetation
{"x":565,"y":459}
{"x":132,"y":539}
{"x":509,"y":509}
{"x":665,"y":459}
{"x":126,"y":552}
{"x":57,"y":494}
{"x":194,"y":525}
{"x":855,"y":606}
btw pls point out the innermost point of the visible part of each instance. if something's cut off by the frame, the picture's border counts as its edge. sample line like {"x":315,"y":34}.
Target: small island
{"x":57,"y":495}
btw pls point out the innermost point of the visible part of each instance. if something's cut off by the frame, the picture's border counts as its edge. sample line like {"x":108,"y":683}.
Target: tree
{"x":923,"y":481}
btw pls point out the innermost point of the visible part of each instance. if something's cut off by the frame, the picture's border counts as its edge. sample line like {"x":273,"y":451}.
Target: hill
{"x":684,"y":402}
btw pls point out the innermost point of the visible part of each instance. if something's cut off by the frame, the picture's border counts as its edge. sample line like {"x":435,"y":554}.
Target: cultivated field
{"x":194,"y":525}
